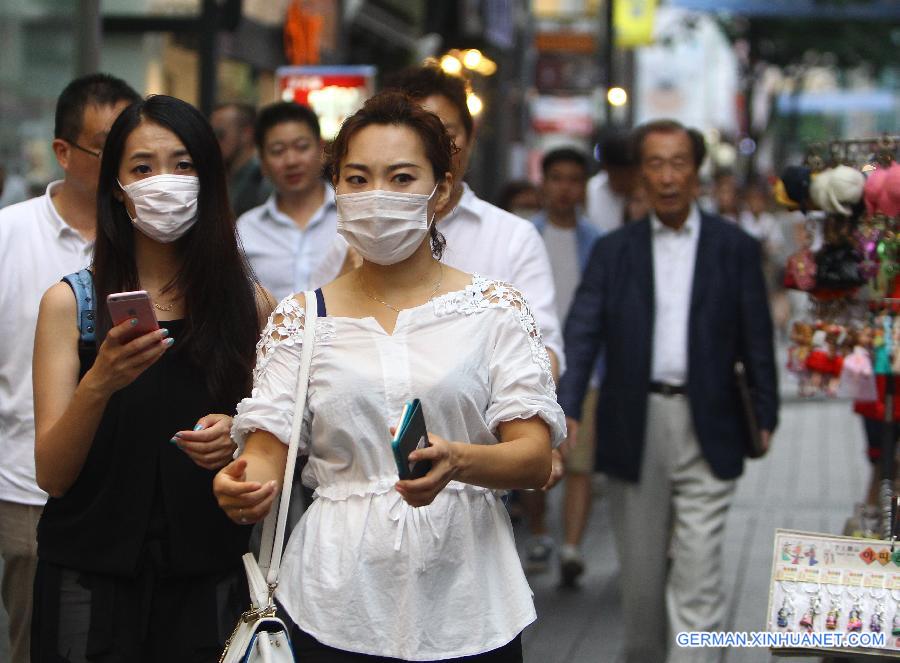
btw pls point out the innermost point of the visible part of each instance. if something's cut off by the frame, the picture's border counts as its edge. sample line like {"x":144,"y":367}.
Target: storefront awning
{"x":875,"y":10}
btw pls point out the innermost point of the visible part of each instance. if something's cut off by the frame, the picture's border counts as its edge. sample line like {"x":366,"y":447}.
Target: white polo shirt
{"x":281,"y":253}
{"x":486,"y":240}
{"x":37,"y":248}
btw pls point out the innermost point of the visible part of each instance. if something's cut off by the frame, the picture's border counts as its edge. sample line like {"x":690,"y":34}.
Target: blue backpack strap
{"x":82,"y":284}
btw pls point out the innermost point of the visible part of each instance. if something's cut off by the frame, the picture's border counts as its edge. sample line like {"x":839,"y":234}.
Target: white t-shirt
{"x":604,"y":208}
{"x":562,"y":247}
{"x":282,"y":254}
{"x":484,"y":239}
{"x":37,"y":248}
{"x":363,"y":571}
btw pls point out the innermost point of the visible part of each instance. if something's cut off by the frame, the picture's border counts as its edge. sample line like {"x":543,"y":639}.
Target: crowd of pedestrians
{"x":593,"y":327}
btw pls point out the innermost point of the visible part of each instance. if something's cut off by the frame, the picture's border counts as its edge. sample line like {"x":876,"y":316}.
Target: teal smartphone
{"x":410,"y":435}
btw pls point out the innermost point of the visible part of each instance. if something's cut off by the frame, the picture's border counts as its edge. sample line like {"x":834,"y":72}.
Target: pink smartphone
{"x":126,"y":305}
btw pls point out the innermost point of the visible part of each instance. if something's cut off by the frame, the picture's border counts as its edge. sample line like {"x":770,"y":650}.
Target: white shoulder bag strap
{"x":272,"y":545}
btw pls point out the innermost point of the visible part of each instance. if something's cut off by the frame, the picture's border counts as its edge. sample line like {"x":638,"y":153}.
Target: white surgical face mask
{"x":386,"y":227}
{"x":165,"y":206}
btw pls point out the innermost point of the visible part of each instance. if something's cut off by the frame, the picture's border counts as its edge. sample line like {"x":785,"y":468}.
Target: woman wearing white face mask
{"x":136,"y":562}
{"x":422,"y":569}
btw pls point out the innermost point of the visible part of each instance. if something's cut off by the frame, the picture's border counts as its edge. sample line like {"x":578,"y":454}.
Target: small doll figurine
{"x":854,"y":620}
{"x":784,"y":613}
{"x":836,"y":337}
{"x":857,"y":380}
{"x":819,"y":362}
{"x":831,"y":619}
{"x":806,"y":621}
{"x":877,"y":621}
{"x":798,"y":353}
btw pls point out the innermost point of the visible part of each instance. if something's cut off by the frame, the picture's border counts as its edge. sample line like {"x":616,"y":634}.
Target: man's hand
{"x":765,"y":437}
{"x":571,"y":437}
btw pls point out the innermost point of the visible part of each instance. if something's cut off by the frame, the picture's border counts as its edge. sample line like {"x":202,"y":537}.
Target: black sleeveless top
{"x":139,"y":499}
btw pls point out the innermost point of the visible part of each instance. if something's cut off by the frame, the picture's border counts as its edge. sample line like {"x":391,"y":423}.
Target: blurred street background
{"x":761,"y":78}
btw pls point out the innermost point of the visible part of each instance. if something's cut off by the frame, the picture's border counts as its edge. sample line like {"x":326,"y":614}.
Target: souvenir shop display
{"x":848,"y":346}
{"x":835,"y":584}
{"x":849,"y":267}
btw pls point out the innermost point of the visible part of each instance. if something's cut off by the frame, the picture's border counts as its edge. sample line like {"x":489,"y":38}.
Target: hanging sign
{"x":334,"y":93}
{"x":633,"y":21}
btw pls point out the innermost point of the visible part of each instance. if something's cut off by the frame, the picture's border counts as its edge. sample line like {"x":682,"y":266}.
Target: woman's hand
{"x":557,"y":469}
{"x":209,"y":445}
{"x":121,"y":359}
{"x":444,"y":468}
{"x":245,"y":502}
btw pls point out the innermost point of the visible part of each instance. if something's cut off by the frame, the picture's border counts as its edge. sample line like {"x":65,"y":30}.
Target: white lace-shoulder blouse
{"x":363,"y":571}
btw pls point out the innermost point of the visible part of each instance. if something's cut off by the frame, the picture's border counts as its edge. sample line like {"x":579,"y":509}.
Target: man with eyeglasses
{"x":676,"y":300}
{"x":42,"y":240}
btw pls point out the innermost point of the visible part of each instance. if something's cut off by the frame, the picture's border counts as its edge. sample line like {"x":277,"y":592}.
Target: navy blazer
{"x":729,"y":321}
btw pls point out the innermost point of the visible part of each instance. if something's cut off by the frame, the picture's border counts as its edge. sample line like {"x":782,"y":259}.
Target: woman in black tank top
{"x":136,"y":561}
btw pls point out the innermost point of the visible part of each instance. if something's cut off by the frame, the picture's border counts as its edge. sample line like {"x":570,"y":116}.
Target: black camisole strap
{"x":320,"y":303}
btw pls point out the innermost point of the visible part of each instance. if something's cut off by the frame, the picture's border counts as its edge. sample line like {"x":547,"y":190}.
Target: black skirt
{"x":84,"y":617}
{"x":310,"y":650}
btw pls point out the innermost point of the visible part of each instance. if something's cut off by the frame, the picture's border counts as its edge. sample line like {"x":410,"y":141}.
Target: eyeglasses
{"x":97,"y":154}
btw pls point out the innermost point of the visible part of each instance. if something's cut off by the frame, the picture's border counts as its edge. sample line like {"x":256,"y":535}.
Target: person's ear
{"x":442,"y":195}
{"x":63,"y":152}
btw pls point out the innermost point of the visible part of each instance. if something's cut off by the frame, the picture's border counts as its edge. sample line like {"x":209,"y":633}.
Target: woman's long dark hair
{"x":214,"y":279}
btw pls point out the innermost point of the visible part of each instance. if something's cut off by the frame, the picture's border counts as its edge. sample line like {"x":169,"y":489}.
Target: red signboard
{"x":334,"y":93}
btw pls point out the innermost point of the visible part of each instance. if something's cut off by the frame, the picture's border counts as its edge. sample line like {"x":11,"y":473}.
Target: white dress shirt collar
{"x":691,"y":224}
{"x":467,"y":207}
{"x":271,"y":211}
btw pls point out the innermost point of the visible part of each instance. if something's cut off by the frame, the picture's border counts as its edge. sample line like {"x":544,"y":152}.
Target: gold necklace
{"x":437,"y":286}
{"x":164,"y":309}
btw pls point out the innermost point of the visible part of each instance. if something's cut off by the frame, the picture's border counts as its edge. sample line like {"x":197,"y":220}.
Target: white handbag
{"x":260,"y":636}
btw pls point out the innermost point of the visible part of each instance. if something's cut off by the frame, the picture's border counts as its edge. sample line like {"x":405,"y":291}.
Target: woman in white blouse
{"x":414,"y":570}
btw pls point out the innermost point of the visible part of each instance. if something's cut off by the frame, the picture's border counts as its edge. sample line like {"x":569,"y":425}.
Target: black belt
{"x":668,"y":389}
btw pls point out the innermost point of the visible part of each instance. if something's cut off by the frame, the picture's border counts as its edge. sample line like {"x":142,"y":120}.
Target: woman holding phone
{"x":422,"y":569}
{"x":136,"y":562}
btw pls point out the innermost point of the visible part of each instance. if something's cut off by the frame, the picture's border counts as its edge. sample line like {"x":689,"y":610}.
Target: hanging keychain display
{"x":876,"y":623}
{"x":845,"y":588}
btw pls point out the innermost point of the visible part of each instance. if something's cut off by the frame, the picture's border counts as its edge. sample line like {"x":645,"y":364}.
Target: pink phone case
{"x":126,"y":305}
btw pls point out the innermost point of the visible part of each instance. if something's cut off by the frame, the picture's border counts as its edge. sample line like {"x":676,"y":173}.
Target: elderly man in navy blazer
{"x":677,"y":300}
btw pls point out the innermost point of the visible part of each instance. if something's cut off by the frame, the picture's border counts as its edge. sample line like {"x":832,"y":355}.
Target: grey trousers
{"x":18,"y":545}
{"x":669,"y":529}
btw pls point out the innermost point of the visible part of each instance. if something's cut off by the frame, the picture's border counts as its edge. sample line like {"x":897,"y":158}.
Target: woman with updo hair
{"x":400,"y":570}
